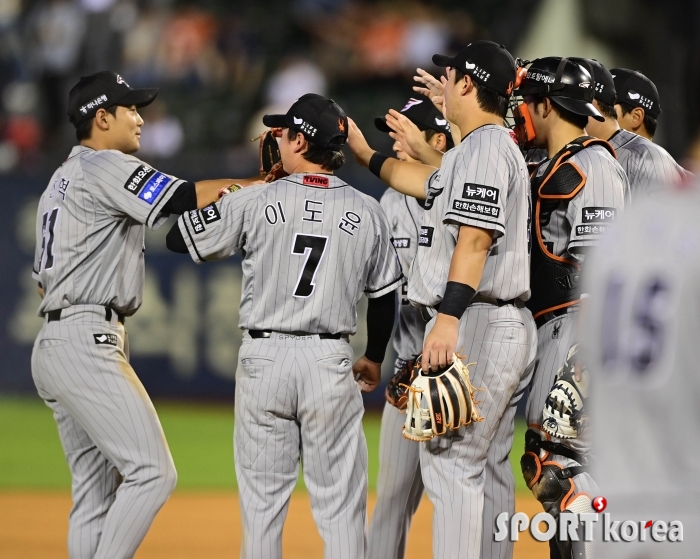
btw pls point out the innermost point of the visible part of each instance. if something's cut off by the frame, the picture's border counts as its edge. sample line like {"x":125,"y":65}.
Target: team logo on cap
{"x":411,"y":103}
{"x":585,"y":85}
{"x":641,"y":99}
{"x":305,"y":126}
{"x":469,"y":66}
{"x":442,"y":122}
{"x":341,"y":125}
{"x":477,"y":72}
{"x":121,"y":80}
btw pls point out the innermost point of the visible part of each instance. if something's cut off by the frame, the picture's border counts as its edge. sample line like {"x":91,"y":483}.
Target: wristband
{"x":457,"y":297}
{"x":376,"y":162}
{"x":228,"y":189}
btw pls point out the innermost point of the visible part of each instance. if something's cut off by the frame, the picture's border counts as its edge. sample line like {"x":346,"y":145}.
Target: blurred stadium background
{"x":220,"y":65}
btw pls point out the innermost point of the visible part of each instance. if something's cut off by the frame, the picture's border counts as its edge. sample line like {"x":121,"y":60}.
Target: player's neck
{"x":98,"y":143}
{"x":308,"y":167}
{"x":608,"y":128}
{"x":476,"y":119}
{"x":560,"y":135}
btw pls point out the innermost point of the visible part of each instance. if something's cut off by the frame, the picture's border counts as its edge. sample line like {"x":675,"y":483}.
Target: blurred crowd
{"x":219,"y":64}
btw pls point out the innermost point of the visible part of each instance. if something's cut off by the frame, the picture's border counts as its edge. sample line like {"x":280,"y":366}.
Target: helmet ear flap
{"x":520,"y":74}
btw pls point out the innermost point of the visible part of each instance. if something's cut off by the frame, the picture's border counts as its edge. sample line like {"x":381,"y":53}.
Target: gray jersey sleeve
{"x":479,"y":185}
{"x":385,"y":269}
{"x":217,"y":231}
{"x":595,"y":207}
{"x":127,"y":185}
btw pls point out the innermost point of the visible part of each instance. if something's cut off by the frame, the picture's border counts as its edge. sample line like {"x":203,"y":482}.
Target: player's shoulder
{"x":109,"y":157}
{"x":594,"y":157}
{"x":488,"y":136}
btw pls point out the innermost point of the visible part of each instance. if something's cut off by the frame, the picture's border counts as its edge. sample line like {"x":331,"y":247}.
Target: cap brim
{"x":275,"y":121}
{"x":139,"y":97}
{"x":578,"y":107}
{"x":381,"y":125}
{"x":443,"y":61}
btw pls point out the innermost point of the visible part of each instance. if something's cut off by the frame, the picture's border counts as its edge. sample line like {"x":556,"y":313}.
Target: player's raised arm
{"x":407,"y":178}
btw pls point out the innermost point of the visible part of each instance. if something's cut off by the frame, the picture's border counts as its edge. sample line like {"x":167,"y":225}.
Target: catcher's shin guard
{"x":552,"y":485}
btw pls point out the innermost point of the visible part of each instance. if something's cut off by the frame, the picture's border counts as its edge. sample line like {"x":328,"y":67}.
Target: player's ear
{"x":467,"y":85}
{"x":637,"y":117}
{"x":299,"y":144}
{"x":439,"y":141}
{"x":102,"y":119}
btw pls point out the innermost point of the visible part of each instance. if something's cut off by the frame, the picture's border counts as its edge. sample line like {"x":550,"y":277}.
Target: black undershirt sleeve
{"x":174,"y":240}
{"x":183,"y":200}
{"x":381,"y":313}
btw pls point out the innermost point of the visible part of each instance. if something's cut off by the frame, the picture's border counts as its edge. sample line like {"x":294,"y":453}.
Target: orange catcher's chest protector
{"x":555,"y":280}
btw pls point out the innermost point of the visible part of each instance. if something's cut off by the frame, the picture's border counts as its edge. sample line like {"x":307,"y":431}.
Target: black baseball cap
{"x":101,"y":91}
{"x":604,"y":85}
{"x":320,"y":119}
{"x":565,"y":82}
{"x":420,"y":112}
{"x":488,"y":63}
{"x":635,"y":89}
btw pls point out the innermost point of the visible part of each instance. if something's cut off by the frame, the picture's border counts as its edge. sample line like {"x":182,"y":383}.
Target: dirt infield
{"x":197,"y":525}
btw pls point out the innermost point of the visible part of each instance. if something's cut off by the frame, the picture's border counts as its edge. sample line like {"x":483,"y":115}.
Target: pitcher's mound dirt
{"x":200,"y":526}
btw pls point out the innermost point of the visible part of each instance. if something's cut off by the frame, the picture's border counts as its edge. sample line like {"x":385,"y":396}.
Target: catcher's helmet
{"x":568,"y":84}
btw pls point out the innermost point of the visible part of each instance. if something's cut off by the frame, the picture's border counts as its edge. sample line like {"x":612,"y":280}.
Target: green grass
{"x":200,"y":438}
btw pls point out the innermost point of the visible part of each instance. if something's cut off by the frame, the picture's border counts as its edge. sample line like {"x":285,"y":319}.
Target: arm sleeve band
{"x":380,"y":322}
{"x":174,"y":240}
{"x":184,"y":199}
{"x":456,"y":299}
{"x":376,"y":162}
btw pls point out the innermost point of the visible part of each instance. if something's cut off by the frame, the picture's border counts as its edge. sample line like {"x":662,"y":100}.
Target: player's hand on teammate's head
{"x":407,"y":134}
{"x":358,"y":144}
{"x":367,"y":374}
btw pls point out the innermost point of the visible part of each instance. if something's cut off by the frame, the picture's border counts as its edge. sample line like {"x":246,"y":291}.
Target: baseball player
{"x":638,"y":105}
{"x":312,"y":245}
{"x":648,"y":166}
{"x":577,"y":193}
{"x":89,"y":263}
{"x":470,"y":278}
{"x":639,"y":336}
{"x":399,"y":485}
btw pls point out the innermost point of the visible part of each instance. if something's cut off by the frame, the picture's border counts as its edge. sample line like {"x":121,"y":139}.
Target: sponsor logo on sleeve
{"x":196,"y":221}
{"x":210,"y":214}
{"x":425,"y":236}
{"x":140,"y":176}
{"x":105,"y":339}
{"x":63,"y":187}
{"x":471,"y":207}
{"x":481,"y":193}
{"x":402,"y":243}
{"x":597,"y":215}
{"x":315,"y":180}
{"x":155,"y":184}
{"x":583,"y":230}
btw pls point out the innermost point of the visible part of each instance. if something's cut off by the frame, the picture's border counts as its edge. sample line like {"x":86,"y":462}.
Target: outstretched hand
{"x":407,"y":134}
{"x":431,"y":87}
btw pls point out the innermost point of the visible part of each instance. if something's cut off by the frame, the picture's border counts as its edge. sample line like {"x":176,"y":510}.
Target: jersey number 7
{"x":313,"y":247}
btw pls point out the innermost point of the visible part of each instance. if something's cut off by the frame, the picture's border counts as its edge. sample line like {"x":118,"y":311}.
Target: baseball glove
{"x":564,"y":415}
{"x":396,"y":392}
{"x":438,"y":401}
{"x":270,"y":157}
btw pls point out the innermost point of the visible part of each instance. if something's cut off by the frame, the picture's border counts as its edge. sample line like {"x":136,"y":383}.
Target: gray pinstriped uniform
{"x":399,"y":485}
{"x":571,"y":229}
{"x":312,"y":245}
{"x":90,"y":255}
{"x":483,"y":182}
{"x":649,"y":167}
{"x":640,"y":344}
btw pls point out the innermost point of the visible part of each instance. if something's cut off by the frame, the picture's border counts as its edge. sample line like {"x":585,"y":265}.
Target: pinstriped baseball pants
{"x":119,"y":459}
{"x":502,"y":342}
{"x":296,"y":399}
